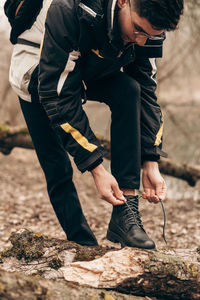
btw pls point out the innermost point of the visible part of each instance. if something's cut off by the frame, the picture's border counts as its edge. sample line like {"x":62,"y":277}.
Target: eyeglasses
{"x":142,"y":34}
{"x":139,"y":34}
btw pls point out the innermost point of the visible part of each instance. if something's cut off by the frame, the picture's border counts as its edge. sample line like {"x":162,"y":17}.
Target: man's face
{"x":130,"y":22}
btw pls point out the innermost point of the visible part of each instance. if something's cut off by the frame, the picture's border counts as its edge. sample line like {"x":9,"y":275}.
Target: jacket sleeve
{"x":60,"y":85}
{"x":143,"y":69}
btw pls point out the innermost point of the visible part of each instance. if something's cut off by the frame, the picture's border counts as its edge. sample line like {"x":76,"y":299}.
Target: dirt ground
{"x":24,"y":203}
{"x":23,"y":198}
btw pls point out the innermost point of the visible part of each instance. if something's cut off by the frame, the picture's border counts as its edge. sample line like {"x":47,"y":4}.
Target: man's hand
{"x":153,"y":183}
{"x":107,"y":186}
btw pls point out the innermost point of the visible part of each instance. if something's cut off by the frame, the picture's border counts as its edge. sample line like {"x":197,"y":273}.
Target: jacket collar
{"x":113,"y":27}
{"x":107,"y":9}
{"x":112,"y":12}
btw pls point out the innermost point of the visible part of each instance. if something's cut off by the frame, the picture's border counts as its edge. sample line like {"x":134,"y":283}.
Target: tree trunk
{"x":16,"y":286}
{"x":11,"y":137}
{"x":168,"y":167}
{"x":166,"y":274}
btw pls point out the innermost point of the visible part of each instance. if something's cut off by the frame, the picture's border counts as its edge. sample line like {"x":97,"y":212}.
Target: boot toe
{"x":149,"y":244}
{"x":137,"y":237}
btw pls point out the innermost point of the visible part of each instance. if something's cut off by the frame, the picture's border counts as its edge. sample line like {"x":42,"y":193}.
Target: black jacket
{"x":82,"y":42}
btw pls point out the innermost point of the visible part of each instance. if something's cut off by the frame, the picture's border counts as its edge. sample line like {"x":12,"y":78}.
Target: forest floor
{"x":24,"y":203}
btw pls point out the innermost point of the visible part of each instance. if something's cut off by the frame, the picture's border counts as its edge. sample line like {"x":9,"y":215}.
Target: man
{"x":101,"y":51}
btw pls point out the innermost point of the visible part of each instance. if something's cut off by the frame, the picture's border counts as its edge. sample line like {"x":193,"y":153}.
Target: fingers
{"x":107,"y":186}
{"x":109,"y":197}
{"x":117,"y":192}
{"x":149,"y":191}
{"x":161,"y":190}
{"x":150,"y":195}
{"x":115,"y":195}
{"x":157,"y":194}
{"x":154,"y":186}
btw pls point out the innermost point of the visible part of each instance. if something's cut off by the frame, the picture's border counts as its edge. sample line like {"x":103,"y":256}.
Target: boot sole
{"x":113,"y":237}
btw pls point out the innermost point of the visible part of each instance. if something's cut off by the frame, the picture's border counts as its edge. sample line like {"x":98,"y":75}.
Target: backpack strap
{"x":21,"y":15}
{"x":28,"y":43}
{"x":18,"y":7}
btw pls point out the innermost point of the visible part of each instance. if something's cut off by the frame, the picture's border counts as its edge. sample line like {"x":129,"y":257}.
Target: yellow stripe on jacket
{"x":81,"y":140}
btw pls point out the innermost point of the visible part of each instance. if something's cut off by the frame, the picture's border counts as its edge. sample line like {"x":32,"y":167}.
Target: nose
{"x":141,"y":40}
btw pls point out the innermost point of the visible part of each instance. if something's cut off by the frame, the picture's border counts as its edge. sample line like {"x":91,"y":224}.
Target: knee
{"x":126,"y":95}
{"x":130,"y":87}
{"x":59,"y":181}
{"x":134,"y":90}
{"x":131,"y":95}
{"x":57,"y":169}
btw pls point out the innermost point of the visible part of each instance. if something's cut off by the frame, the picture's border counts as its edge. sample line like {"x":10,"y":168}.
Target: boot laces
{"x":132,"y":213}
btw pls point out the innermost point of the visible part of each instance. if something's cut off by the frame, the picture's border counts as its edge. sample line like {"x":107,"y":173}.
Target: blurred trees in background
{"x":182,"y":46}
{"x":178,"y":86}
{"x":180,"y":62}
{"x":9,"y":108}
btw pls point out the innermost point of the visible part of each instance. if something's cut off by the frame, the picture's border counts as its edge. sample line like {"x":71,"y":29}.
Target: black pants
{"x":122,"y":94}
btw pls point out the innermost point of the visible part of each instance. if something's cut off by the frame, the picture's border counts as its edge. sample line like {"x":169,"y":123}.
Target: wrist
{"x":150,"y":164}
{"x":98,"y":170}
{"x":95,"y":164}
{"x":150,"y":157}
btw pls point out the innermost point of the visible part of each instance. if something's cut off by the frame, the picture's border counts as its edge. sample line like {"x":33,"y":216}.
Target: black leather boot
{"x":126,"y":227}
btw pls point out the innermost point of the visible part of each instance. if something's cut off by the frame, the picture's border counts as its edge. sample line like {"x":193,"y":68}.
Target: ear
{"x":122,"y":3}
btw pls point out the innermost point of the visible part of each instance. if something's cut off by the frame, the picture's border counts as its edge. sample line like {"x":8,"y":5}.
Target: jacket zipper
{"x":88,"y":9}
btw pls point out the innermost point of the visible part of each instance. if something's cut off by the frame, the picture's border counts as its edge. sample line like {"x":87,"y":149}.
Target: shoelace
{"x":135,"y":213}
{"x":164,"y":223}
{"x":132,"y":216}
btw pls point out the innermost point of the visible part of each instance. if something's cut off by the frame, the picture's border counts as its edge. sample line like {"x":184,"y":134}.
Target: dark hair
{"x":161,"y":14}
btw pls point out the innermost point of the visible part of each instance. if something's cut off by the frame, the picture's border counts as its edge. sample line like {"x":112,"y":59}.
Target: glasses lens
{"x":158,"y":38}
{"x":141,"y":34}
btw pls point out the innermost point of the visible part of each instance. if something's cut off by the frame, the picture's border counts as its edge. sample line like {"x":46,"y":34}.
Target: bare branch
{"x":11,"y":137}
